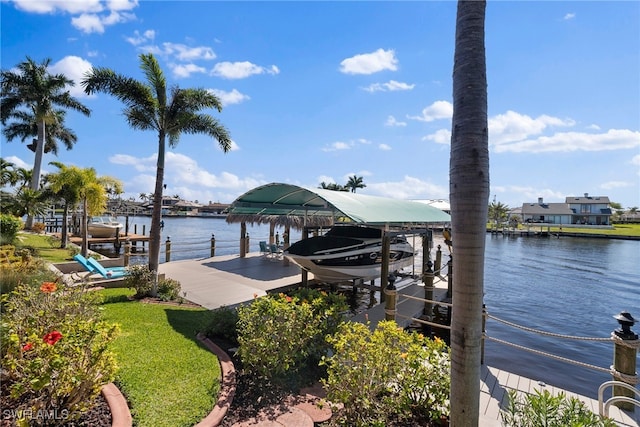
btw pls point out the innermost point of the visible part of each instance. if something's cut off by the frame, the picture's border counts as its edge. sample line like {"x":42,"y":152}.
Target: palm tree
{"x":25,"y":126}
{"x":82,"y":185}
{"x":498,"y":212}
{"x":8,"y":175}
{"x":469,"y":194}
{"x":33,"y":90}
{"x":148,"y":106}
{"x":332,"y":186}
{"x":354,"y":183}
{"x":29,"y":202}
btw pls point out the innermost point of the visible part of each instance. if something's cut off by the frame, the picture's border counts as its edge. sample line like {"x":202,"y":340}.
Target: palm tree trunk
{"x":37,"y":166}
{"x":64,"y":234}
{"x":469,"y":194}
{"x":85,"y":228}
{"x":154,"y":232}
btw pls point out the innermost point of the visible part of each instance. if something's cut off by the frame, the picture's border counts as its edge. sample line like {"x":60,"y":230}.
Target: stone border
{"x":227,"y":385}
{"x":120,"y":414}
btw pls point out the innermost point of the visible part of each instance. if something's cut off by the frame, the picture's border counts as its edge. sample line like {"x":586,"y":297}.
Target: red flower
{"x":28,"y":346}
{"x":288,"y":298}
{"x":48,"y":287}
{"x":52,"y":337}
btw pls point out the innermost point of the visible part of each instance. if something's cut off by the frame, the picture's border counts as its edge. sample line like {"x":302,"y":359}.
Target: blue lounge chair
{"x":93,"y":266}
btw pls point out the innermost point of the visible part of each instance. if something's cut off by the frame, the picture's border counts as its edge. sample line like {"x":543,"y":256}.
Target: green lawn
{"x":168,"y":378}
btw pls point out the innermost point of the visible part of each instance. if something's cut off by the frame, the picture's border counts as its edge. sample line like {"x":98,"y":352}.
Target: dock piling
{"x":624,"y":358}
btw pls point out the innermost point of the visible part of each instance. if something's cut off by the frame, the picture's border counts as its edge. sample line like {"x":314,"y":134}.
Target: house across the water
{"x":586,"y":210}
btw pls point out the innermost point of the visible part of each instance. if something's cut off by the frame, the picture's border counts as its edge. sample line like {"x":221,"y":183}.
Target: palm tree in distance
{"x":32,"y":90}
{"x":354,"y":183}
{"x":148,"y":106}
{"x":332,"y":186}
{"x":498,"y":212}
{"x":469,"y":195}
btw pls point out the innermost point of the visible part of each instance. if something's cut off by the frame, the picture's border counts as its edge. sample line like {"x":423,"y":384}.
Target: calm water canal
{"x":569,"y":286}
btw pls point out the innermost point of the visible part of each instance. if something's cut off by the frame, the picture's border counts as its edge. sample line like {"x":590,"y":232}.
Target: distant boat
{"x":103,"y":226}
{"x":349,"y":252}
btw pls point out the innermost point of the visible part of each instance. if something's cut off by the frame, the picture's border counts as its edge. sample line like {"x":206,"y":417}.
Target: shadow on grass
{"x":113,"y":299}
{"x":189,"y":322}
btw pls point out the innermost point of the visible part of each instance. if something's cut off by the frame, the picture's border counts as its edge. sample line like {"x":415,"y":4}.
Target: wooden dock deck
{"x":230,"y":280}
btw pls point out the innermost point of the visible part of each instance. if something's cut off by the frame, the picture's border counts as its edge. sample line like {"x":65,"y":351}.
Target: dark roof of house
{"x":546,"y":209}
{"x":587,"y":200}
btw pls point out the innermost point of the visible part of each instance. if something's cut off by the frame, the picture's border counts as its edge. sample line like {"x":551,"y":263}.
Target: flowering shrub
{"x":55,"y":356}
{"x":281,"y":335}
{"x":168,"y":289}
{"x":387,"y":376}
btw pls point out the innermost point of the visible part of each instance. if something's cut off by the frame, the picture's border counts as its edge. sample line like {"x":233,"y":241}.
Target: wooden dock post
{"x":167,"y":245}
{"x":438,"y":263}
{"x":390,"y":301}
{"x":213,"y":245}
{"x":624,"y":358}
{"x":127,"y":253}
{"x":243,"y":234}
{"x":427,"y":276}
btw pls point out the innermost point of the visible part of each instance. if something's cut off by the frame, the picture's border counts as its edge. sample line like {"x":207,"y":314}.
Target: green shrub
{"x":55,"y":355}
{"x":542,"y":409}
{"x":387,"y":376}
{"x":18,"y":267}
{"x":9,"y":227}
{"x":139,"y":278}
{"x":223,"y":325}
{"x":168,"y":289}
{"x":281,"y":336}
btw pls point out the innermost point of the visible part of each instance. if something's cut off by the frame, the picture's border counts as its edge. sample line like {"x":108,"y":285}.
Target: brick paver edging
{"x":120,"y":414}
{"x":227,"y":385}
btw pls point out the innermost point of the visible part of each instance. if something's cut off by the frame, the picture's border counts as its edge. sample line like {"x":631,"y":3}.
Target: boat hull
{"x":102,"y":230}
{"x":348,"y":254}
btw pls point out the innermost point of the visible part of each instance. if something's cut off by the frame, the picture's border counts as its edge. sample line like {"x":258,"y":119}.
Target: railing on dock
{"x":625,"y":342}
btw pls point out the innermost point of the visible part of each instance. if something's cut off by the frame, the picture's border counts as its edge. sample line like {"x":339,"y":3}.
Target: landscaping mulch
{"x":98,"y":416}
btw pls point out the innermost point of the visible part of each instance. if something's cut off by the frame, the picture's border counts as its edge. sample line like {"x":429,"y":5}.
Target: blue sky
{"x":320,"y":91}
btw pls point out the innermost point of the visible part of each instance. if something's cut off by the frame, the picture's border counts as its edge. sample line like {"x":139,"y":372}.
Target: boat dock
{"x":230,"y":280}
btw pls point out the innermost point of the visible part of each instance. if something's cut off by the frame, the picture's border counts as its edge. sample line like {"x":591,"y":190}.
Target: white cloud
{"x":391,"y":121}
{"x":140,"y":38}
{"x":390,"y":86}
{"x":436,"y":111}
{"x":186,"y":70}
{"x":369,"y":63}
{"x":241,"y":70}
{"x":87,"y":15}
{"x":52,"y":6}
{"x":18,"y":162}
{"x":614,"y":139}
{"x":409,"y":188}
{"x":74,"y":68}
{"x":229,"y":98}
{"x":338,"y":145}
{"x":183,"y":52}
{"x":512,"y":126}
{"x":635,"y":160}
{"x":442,"y":136}
{"x":184,"y":176}
{"x":569,"y":16}
{"x":384,"y":147}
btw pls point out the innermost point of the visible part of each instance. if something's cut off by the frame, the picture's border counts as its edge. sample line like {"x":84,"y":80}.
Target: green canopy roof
{"x":288,"y":204}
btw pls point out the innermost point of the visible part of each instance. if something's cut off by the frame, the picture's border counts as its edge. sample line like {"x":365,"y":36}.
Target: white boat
{"x":103,"y":226}
{"x":349,"y":252}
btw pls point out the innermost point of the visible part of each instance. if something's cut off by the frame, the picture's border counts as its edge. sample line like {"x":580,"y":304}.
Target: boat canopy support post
{"x":243,"y":239}
{"x":384,"y":267}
